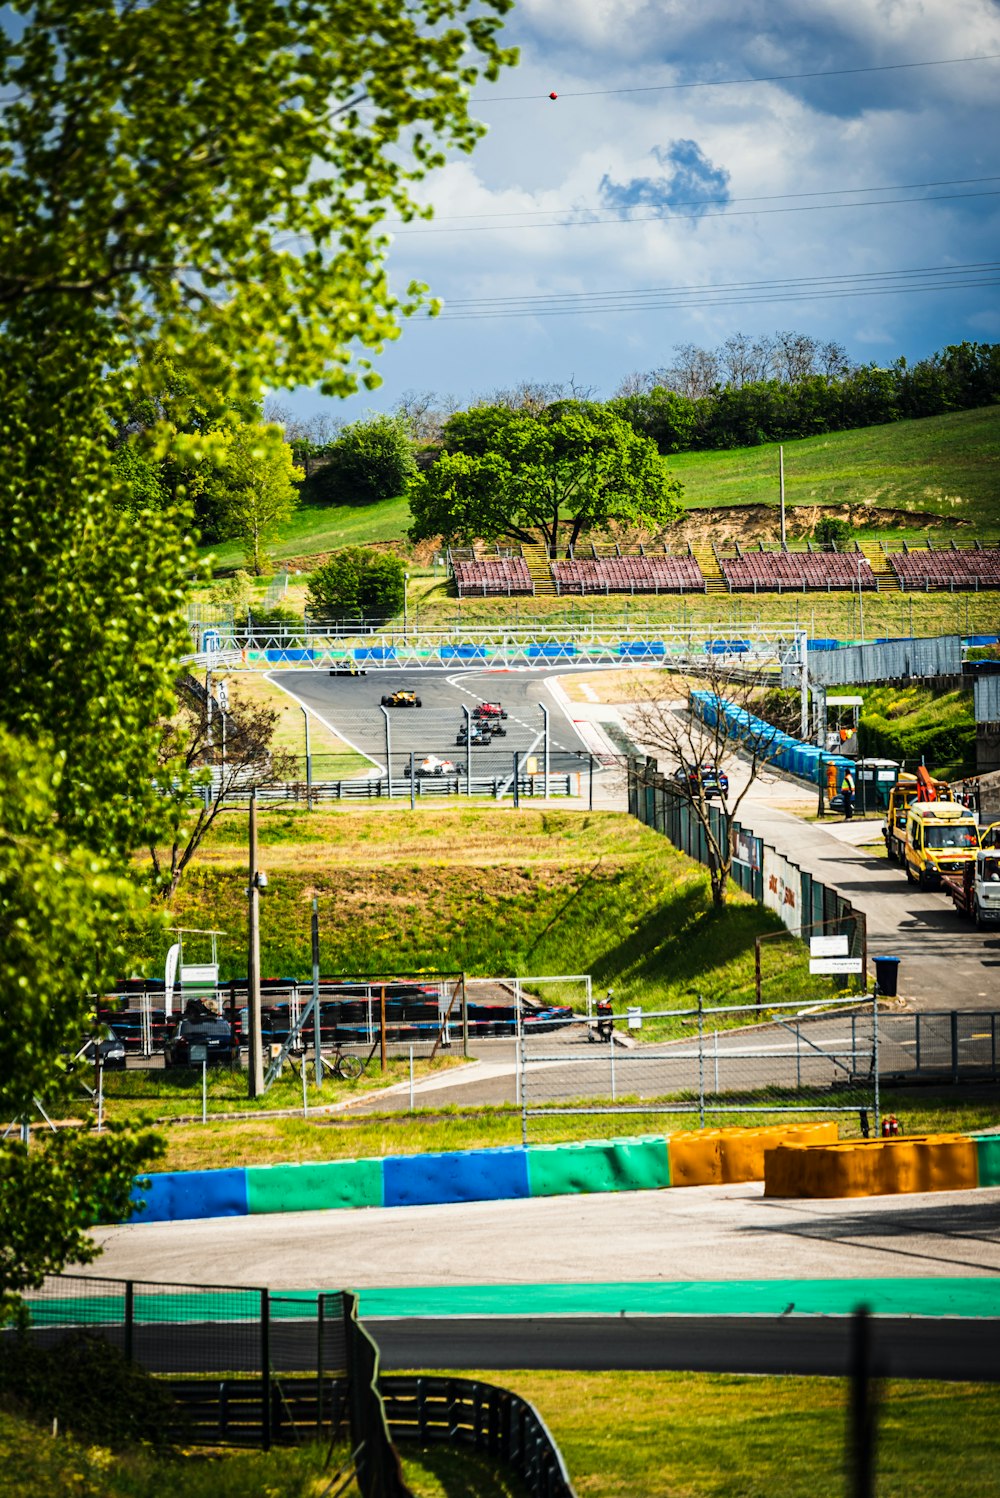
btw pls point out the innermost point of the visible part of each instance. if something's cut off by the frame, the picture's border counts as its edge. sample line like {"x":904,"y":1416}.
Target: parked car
{"x":488,"y":710}
{"x":713,"y":781}
{"x":402,"y":699}
{"x":108,"y":1047}
{"x":214,"y":1034}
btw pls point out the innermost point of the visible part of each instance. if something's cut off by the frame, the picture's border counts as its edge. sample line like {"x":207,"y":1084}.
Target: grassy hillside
{"x":945,"y":465}
{"x":941,"y":466}
{"x":489,"y":892}
{"x":907,"y":723}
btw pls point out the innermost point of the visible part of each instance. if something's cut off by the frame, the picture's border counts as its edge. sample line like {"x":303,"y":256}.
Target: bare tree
{"x":425,"y":413}
{"x":319,"y":428}
{"x":635,"y":383}
{"x":834,"y":360}
{"x":532,"y":396}
{"x":694,"y":372}
{"x":695,"y":750}
{"x":204,"y":756}
{"x":745,"y":360}
{"x":795,"y":356}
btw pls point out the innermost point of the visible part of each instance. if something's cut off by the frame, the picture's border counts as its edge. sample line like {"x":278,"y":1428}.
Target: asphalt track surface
{"x":931,"y":1347}
{"x":351,"y":707}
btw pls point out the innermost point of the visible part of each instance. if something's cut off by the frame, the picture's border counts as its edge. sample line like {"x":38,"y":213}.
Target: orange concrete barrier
{"x":872,"y":1167}
{"x":715,"y":1157}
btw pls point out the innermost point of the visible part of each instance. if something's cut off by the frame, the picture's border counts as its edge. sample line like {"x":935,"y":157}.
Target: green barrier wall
{"x":314,"y":1186}
{"x":599,"y":1165}
{"x":988,"y":1159}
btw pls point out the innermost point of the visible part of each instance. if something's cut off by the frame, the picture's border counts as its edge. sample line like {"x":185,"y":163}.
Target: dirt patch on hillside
{"x":760,"y":522}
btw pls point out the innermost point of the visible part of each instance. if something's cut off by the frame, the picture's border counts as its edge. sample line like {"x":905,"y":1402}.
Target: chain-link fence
{"x":730,"y":1064}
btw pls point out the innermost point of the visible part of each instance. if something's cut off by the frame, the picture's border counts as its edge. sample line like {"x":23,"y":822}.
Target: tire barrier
{"x":883,"y":1167}
{"x":511,"y":1172}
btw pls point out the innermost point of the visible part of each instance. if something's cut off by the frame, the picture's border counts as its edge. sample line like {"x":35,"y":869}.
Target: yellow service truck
{"x":902,"y":796}
{"x":941,"y":838}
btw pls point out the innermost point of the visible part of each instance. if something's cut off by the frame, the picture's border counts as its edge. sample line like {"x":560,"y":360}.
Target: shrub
{"x":357,"y":581}
{"x":831,"y":532}
{"x":369,"y":462}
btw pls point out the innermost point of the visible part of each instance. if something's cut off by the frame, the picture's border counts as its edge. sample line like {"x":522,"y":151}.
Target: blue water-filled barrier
{"x":781,"y":749}
{"x":375,"y":653}
{"x":463,"y":652}
{"x":557,"y":651}
{"x":641,"y":649}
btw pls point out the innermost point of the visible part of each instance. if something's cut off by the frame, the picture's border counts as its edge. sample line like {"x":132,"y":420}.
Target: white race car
{"x":431,"y":765}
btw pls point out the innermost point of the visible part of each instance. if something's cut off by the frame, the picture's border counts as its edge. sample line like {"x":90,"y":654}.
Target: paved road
{"x":351,"y":707}
{"x":701,"y":1233}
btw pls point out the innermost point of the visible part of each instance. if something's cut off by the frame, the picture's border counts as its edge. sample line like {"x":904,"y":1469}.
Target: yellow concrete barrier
{"x":871,"y":1167}
{"x":715,"y":1157}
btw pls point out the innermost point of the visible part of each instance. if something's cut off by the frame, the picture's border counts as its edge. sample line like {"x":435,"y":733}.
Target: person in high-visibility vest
{"x":847,"y":793}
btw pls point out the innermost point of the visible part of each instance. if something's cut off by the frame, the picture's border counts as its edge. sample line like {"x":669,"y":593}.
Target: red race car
{"x":488,"y":710}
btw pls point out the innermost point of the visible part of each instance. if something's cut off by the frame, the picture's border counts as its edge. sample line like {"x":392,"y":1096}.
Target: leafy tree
{"x":832,"y":532}
{"x":370,"y":461}
{"x":573,"y":465}
{"x":667,"y":418}
{"x":211,"y":189}
{"x":255,"y":489}
{"x":357,"y":582}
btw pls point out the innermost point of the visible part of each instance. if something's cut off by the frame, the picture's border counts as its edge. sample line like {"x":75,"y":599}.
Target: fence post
{"x":756,"y":968}
{"x":701,"y":1062}
{"x":129,"y":1320}
{"x":319,"y":1361}
{"x":878,"y":1122}
{"x":265,"y":1371}
{"x":862,"y":1454}
{"x":611,"y":1049}
{"x":517,"y":798}
{"x":954,"y":1045}
{"x":465,"y":1020}
{"x":381,"y":1027}
{"x":521,"y":1065}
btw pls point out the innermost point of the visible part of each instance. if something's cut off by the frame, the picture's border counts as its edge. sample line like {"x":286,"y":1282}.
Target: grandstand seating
{"x":779,"y":571}
{"x":492,"y":577}
{"x":947,"y":569}
{"x":661,"y":573}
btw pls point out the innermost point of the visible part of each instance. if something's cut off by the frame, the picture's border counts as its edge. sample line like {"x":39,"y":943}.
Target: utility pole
{"x":309,"y":765}
{"x":388,"y":749}
{"x":545,"y":761}
{"x":804,"y":687}
{"x":781,"y":489}
{"x":255,"y":1060}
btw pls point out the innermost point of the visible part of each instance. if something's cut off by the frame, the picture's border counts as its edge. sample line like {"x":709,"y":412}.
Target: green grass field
{"x":314,"y":529}
{"x":640,"y":1435}
{"x":487,"y":892}
{"x":944,"y":465}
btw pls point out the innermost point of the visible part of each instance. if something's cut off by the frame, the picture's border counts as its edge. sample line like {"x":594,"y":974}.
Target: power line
{"x":656,"y":88}
{"x":770,"y":197}
{"x":667,"y":218}
{"x":972,"y":266}
{"x":732,"y":294}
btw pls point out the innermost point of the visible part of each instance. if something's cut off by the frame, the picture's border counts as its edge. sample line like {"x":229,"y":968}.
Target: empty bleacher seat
{"x":492,"y":577}
{"x":778,"y":571}
{"x":647,"y":574}
{"x":947,"y":569}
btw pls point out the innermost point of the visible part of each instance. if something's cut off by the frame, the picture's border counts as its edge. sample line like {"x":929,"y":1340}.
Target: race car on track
{"x":431,"y":765}
{"x":481,"y":736}
{"x":488,"y":710}
{"x":402,"y":699}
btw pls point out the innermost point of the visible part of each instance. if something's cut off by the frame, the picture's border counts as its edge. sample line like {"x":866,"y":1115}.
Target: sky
{"x":589,"y":235}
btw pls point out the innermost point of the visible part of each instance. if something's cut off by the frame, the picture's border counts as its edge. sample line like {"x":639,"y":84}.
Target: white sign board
{"x":198,"y":1054}
{"x":203,"y":975}
{"x":835,"y":965}
{"x":828,"y":946}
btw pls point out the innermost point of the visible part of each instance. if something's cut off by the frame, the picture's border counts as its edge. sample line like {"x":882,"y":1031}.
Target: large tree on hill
{"x":206,"y":182}
{"x":567,"y":469}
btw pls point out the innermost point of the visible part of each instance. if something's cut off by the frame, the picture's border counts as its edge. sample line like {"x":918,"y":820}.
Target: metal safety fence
{"x":804,"y":904}
{"x":712,"y":1063}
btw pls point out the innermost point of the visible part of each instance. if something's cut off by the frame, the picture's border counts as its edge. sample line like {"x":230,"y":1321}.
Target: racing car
{"x":402,"y":699}
{"x":481,"y":736}
{"x":431,"y":765}
{"x":488,"y":710}
{"x":713,"y":781}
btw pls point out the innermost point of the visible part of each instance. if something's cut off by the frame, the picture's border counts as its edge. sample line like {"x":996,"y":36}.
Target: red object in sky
{"x":553,"y":96}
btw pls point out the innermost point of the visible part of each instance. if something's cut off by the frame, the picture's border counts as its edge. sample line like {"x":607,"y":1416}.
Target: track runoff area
{"x":709,"y":1278}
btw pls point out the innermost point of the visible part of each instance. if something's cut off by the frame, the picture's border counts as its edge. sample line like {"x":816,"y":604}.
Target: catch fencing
{"x":729,"y":1063}
{"x":885,"y":660}
{"x":287,"y":1368}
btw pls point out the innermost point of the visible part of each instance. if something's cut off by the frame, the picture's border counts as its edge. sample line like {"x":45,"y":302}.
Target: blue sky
{"x":628,"y":183}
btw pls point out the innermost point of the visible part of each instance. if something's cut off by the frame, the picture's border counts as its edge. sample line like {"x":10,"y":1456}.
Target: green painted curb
{"x":598,"y":1165}
{"x":314,"y":1186}
{"x":883,"y":1297}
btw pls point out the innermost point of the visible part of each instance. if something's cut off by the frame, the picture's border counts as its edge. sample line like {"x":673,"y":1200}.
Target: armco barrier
{"x":598,"y":1165}
{"x":882,"y":1167}
{"x":459,"y":1176}
{"x":512,"y":1172}
{"x":314,"y":1186}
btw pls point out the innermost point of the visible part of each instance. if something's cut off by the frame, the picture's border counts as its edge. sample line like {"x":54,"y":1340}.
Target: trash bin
{"x":887,"y":975}
{"x":633,"y":1014}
